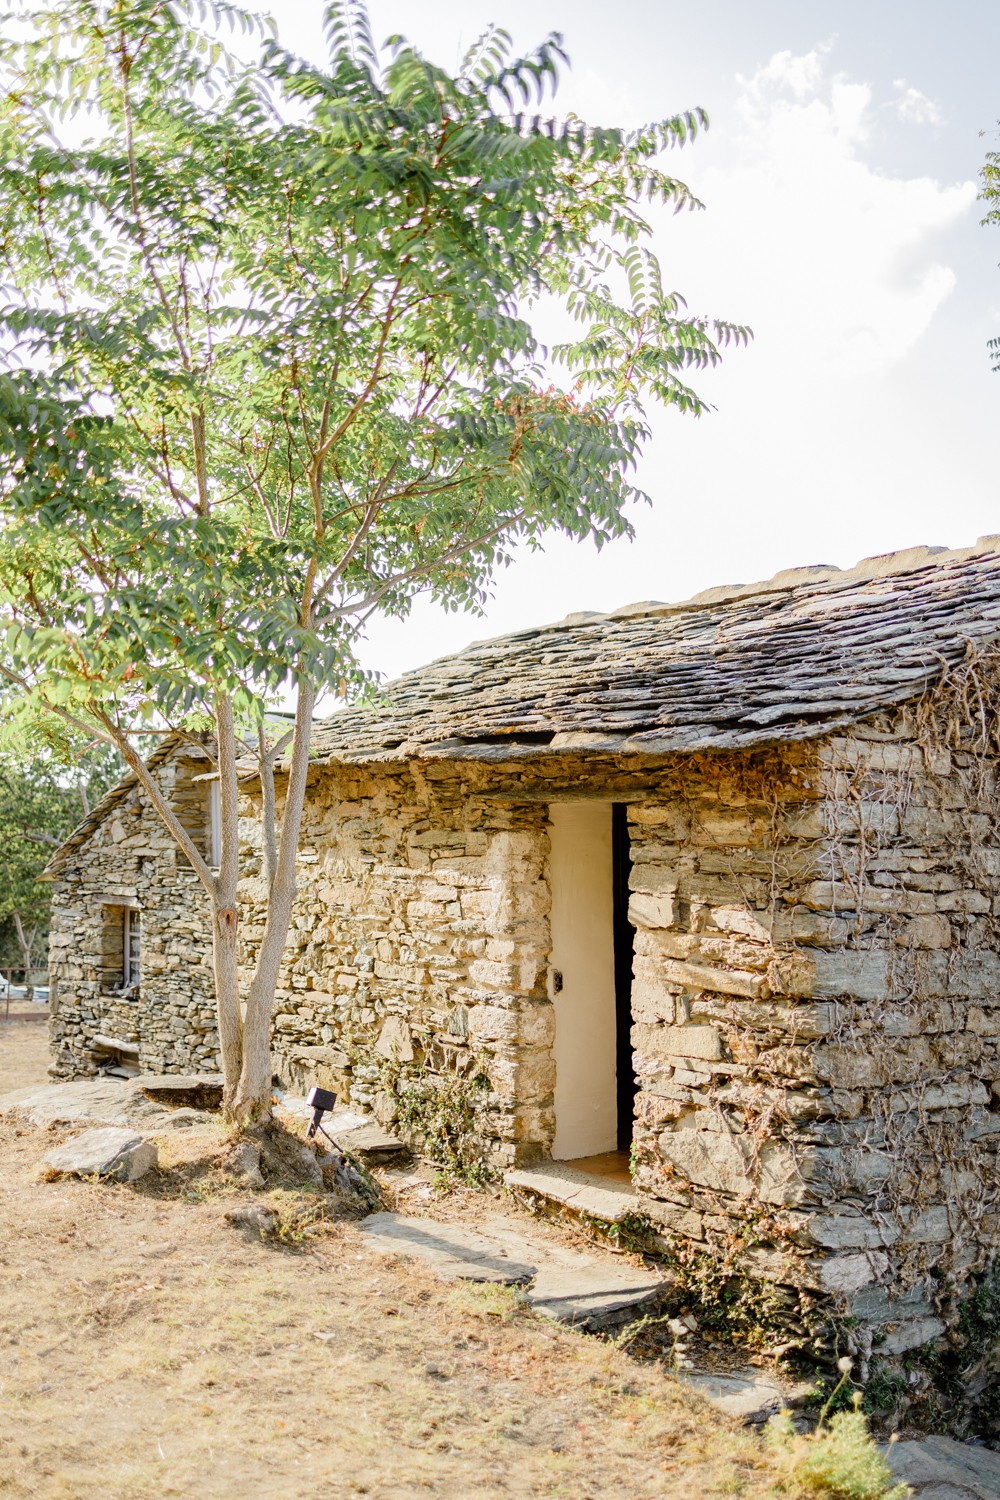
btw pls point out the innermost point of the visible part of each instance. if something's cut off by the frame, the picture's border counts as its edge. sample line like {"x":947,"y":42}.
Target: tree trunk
{"x":25,"y":946}
{"x":254,"y":1094}
{"x":225,"y":920}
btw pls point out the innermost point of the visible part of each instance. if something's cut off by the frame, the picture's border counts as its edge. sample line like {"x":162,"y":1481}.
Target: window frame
{"x":131,"y":937}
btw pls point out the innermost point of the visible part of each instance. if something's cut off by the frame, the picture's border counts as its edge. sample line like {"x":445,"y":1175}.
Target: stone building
{"x":714,"y":886}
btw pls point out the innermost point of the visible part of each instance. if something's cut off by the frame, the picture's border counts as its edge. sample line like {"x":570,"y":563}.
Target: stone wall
{"x":816,"y":994}
{"x":818,"y":1022}
{"x":130,"y":860}
{"x":419,"y":939}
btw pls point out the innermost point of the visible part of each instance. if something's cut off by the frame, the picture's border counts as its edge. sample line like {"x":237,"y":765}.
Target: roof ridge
{"x":879,"y":565}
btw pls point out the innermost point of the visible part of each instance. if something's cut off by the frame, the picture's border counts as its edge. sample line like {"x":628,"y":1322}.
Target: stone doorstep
{"x":939,"y":1468}
{"x":589,"y":1291}
{"x":584,"y":1193}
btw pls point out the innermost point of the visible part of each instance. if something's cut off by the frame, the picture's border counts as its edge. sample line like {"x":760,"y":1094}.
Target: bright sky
{"x":839,"y":176}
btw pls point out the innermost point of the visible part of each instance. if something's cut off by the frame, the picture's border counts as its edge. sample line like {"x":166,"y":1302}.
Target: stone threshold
{"x":592,"y":1195}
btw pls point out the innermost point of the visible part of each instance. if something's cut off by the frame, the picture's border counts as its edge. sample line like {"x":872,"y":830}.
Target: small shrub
{"x":446,"y":1114}
{"x":489,"y":1299}
{"x":839,"y":1461}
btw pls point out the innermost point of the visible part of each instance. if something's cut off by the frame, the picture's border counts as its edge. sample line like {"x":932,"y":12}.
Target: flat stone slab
{"x":113,"y":1044}
{"x":590,"y":1291}
{"x":195,"y":1090}
{"x":365,"y":1138}
{"x":749,"y":1394}
{"x":450,"y":1250}
{"x":106,"y":1152}
{"x":583,"y":1192}
{"x":939,"y":1468}
{"x":98,"y":1101}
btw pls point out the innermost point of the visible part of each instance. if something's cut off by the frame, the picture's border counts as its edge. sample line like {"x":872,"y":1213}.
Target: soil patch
{"x":24,"y":1048}
{"x":151,"y":1348}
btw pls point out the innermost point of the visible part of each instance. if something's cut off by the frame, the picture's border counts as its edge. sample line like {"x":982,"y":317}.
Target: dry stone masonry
{"x":814,"y":892}
{"x":127,"y":860}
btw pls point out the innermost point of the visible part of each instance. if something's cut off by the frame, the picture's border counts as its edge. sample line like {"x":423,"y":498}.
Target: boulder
{"x":109,"y":1152}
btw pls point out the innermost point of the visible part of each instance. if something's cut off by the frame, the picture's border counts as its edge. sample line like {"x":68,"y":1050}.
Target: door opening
{"x":624,"y":941}
{"x":591,"y":981}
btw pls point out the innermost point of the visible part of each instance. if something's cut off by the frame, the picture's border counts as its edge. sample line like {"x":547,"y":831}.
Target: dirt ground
{"x":148,"y":1348}
{"x":24,"y":1043}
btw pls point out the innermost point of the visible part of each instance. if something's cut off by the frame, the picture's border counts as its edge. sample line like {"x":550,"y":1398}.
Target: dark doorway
{"x":624,"y":945}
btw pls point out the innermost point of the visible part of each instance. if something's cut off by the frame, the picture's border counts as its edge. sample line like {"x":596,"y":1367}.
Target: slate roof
{"x":168,"y":746}
{"x":808,"y":652}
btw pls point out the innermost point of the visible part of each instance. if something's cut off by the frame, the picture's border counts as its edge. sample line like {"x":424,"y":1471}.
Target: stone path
{"x":750,"y":1395}
{"x":592,"y":1292}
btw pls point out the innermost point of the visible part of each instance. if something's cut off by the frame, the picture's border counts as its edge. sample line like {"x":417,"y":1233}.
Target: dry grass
{"x":147,"y":1348}
{"x":24,"y":1041}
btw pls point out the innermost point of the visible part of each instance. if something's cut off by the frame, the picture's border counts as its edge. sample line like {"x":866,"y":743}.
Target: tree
{"x":273,"y":364}
{"x":990,"y":194}
{"x":42,"y":798}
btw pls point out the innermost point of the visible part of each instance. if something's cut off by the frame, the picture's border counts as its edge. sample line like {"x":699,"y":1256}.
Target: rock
{"x":747,"y":1394}
{"x":110,"y":1152}
{"x":938,"y":1468}
{"x":244,"y":1162}
{"x":394,"y":1040}
{"x":369,"y":1142}
{"x":197,"y":1090}
{"x":255,"y":1217}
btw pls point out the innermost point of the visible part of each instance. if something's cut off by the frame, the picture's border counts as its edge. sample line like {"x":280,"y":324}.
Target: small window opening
{"x":131,"y":948}
{"x":121,"y":950}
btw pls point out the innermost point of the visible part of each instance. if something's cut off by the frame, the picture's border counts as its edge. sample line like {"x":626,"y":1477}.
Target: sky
{"x":839,"y":175}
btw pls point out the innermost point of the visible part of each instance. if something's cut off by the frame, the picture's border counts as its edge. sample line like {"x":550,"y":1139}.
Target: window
{"x":122,"y":950}
{"x":131,"y":948}
{"x":214,"y":824}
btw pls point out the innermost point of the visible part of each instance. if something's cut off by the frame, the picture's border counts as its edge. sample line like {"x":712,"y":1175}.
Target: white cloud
{"x":832,"y":441}
{"x":830,"y":248}
{"x":915,"y":108}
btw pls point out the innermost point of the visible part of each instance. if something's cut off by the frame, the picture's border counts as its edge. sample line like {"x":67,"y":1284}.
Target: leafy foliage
{"x":839,"y":1461}
{"x":41,"y":800}
{"x":990,"y":194}
{"x":267,"y":339}
{"x":445,"y":1113}
{"x":270,"y":362}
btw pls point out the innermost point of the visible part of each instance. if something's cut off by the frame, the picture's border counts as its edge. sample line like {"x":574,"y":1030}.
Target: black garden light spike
{"x":321,"y":1101}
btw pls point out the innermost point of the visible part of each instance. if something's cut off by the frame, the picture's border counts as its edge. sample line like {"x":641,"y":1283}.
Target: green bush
{"x":839,"y":1461}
